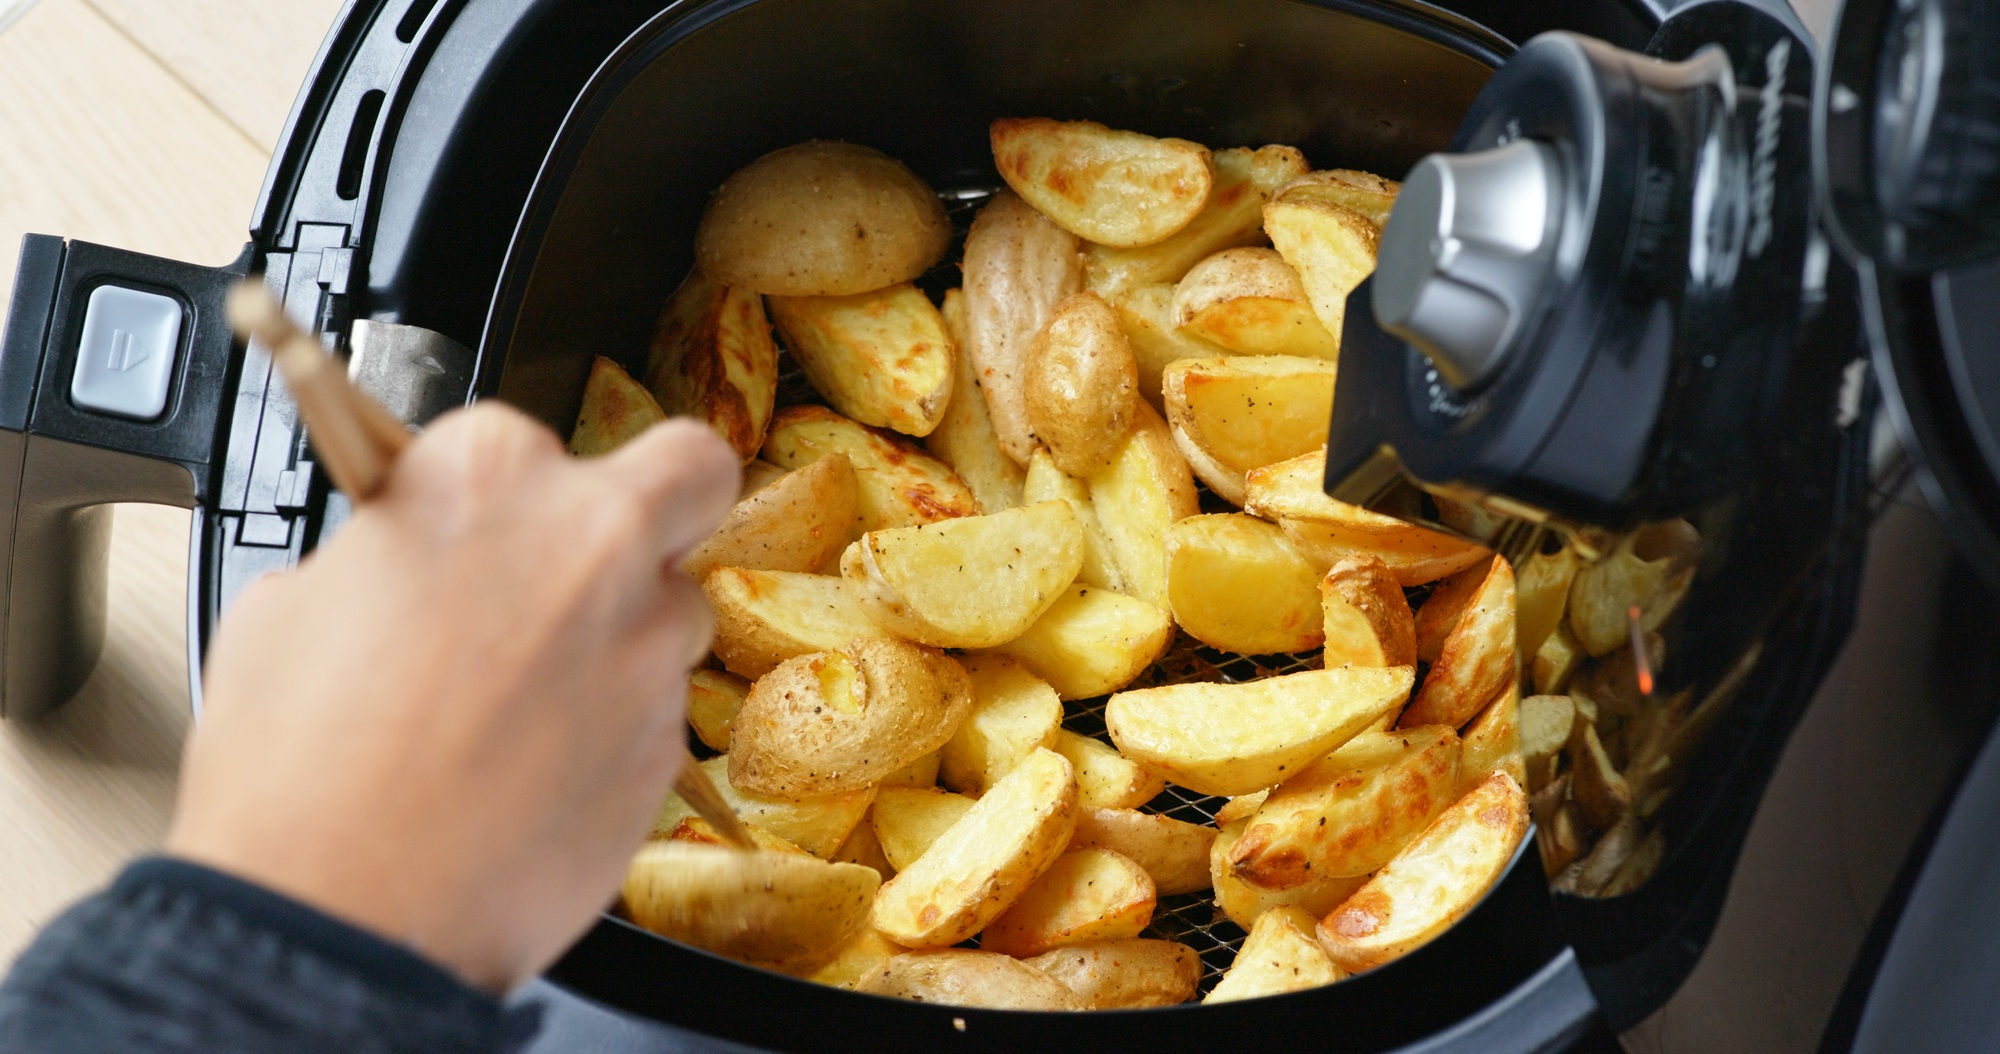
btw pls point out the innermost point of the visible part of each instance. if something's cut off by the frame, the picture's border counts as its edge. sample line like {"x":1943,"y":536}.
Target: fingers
{"x":685,"y":478}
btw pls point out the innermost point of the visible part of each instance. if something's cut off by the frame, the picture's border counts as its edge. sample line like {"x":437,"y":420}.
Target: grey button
{"x":126,"y":357}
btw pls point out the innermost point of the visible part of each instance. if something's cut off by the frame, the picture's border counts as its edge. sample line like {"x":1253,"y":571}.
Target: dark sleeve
{"x":178,"y":957}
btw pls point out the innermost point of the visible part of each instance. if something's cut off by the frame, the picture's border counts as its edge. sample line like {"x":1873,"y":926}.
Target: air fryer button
{"x":125,"y":359}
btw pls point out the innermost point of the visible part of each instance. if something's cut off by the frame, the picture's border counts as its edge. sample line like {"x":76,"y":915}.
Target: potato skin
{"x":1476,"y":661}
{"x":1251,"y":301}
{"x":882,"y":358}
{"x":963,"y":977}
{"x":1124,"y":972}
{"x":1113,"y":187}
{"x":783,"y":911}
{"x":1018,"y":267}
{"x":713,"y":359}
{"x":821,"y":218}
{"x":1367,"y":619}
{"x":1081,"y":386}
{"x":799,"y":522}
{"x":897,"y":484}
{"x":964,"y":437}
{"x":615,"y":410}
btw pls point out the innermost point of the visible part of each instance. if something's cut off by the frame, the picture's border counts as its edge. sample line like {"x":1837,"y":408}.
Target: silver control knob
{"x":1466,"y":252}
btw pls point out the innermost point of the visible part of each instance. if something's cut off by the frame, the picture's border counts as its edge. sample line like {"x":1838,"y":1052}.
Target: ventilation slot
{"x":355,"y":159}
{"x":413,"y":19}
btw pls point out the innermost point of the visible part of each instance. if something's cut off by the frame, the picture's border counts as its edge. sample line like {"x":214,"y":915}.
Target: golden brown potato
{"x":1124,"y":973}
{"x":963,"y":977}
{"x":970,"y":582}
{"x":1233,"y":216}
{"x":1477,"y":661}
{"x":712,"y":359}
{"x":615,"y":410}
{"x":1147,"y":313}
{"x":1492,"y":742}
{"x":1147,"y":490}
{"x":964,"y":438}
{"x":1650,"y":570}
{"x":1174,"y":852}
{"x":1433,"y":882}
{"x":799,"y":522}
{"x":758,"y":474}
{"x":1013,"y":714}
{"x":1093,"y":641}
{"x":1365,"y":618}
{"x":763,"y":618}
{"x":1330,"y":245}
{"x":1252,"y":302}
{"x":1236,"y":584}
{"x":922,"y":772}
{"x":1293,"y":494}
{"x":864,"y":848}
{"x":699,"y":831}
{"x":1105,"y":779}
{"x":1441,"y":610}
{"x":863,"y":954}
{"x":1351,"y":811}
{"x":1018,"y":267}
{"x":906,"y":820}
{"x":896,"y":483}
{"x":882,"y":357}
{"x":1556,"y":660}
{"x":1280,"y":955}
{"x":1364,"y":192}
{"x":843,"y":719}
{"x":1080,"y":383}
{"x":1046,"y":482}
{"x":1244,"y":903}
{"x":1086,"y":895}
{"x":714,"y":697}
{"x":1546,"y":722}
{"x":816,"y":825}
{"x":781,"y":911}
{"x":1238,"y":738}
{"x":1232,"y":415}
{"x":1541,"y":593}
{"x":821,"y":219}
{"x":1104,"y":185}
{"x":981,"y":865}
{"x":1242,"y":807}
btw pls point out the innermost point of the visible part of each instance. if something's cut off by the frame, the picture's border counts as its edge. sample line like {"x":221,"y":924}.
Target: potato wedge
{"x":714,"y":697}
{"x":1046,"y":482}
{"x":1546,"y":723}
{"x":1243,"y":806}
{"x":1093,"y":641}
{"x":1351,"y":811}
{"x":1650,"y":569}
{"x":1104,"y":185}
{"x":1556,"y":660}
{"x":758,"y":474}
{"x":1147,"y":313}
{"x":845,"y":718}
{"x":1174,"y":852}
{"x":906,"y":820}
{"x":1238,"y":738}
{"x":1124,"y":973}
{"x":985,"y":861}
{"x":964,"y":438}
{"x":1018,"y":267}
{"x":1232,"y":217}
{"x":1147,"y":490}
{"x":864,"y":848}
{"x":1252,"y":302}
{"x":1244,"y":903}
{"x":1293,"y":494}
{"x":1013,"y":714}
{"x":1080,"y":385}
{"x":863,"y":954}
{"x":970,"y":582}
{"x":712,"y":358}
{"x":1232,"y":415}
{"x":1492,"y":742}
{"x":1235,"y":583}
{"x":1541,"y":596}
{"x":1365,"y":619}
{"x":896,"y":484}
{"x":1330,"y":245}
{"x":1105,"y":779}
{"x":615,"y":410}
{"x":780,"y":911}
{"x":1433,"y":882}
{"x":881,"y":357}
{"x":963,"y":977}
{"x":1477,"y":661}
{"x":1364,"y":192}
{"x":816,"y":825}
{"x":922,"y":772}
{"x":1086,"y":895}
{"x":821,"y":219}
{"x":800,"y":522}
{"x":763,"y":618}
{"x":701,"y":832}
{"x":1441,"y":610}
{"x":1282,"y":954}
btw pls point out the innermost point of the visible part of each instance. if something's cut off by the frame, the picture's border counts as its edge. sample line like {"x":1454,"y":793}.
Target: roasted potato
{"x":1441,"y":610}
{"x":1252,"y":302}
{"x":712,"y":359}
{"x":1237,"y":738}
{"x":615,"y":410}
{"x":1541,"y":595}
{"x":864,"y":953}
{"x":758,"y":474}
{"x":1282,"y":954}
{"x":1365,"y":619}
{"x":864,"y":848}
{"x":1232,"y":217}
{"x":922,"y":772}
{"x":799,"y":522}
{"x":817,"y":825}
{"x":1147,"y":490}
{"x":1477,"y":661}
{"x":714,"y":697}
{"x":1650,"y":570}
{"x":1244,"y":903}
{"x":699,"y":831}
{"x":1124,"y":973}
{"x":1492,"y":742}
{"x":1546,"y":724}
{"x":1232,"y":415}
{"x":1241,"y":807}
{"x":896,"y":484}
{"x":821,"y":219}
{"x":906,"y":820}
{"x":1080,"y":385}
{"x":1013,"y":713}
{"x":1093,"y":641}
{"x":964,"y":438}
{"x":1018,"y":267}
{"x":882,"y":357}
{"x":1046,"y":482}
{"x":1236,"y":584}
{"x":763,"y":618}
{"x":1351,"y":811}
{"x":1364,"y":192}
{"x":983,"y":863}
{"x":970,"y":582}
{"x":963,"y":977}
{"x":1147,"y":313}
{"x":1433,"y":882}
{"x":1556,"y":660}
{"x":1174,"y":852}
{"x":782,"y":911}
{"x":1105,"y":779}
{"x":1086,"y":895}
{"x":1103,"y":185}
{"x":1330,"y":245}
{"x":842,"y":719}
{"x":1293,"y":494}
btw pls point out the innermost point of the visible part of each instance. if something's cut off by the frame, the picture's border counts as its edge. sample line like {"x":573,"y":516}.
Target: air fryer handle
{"x":80,"y":430}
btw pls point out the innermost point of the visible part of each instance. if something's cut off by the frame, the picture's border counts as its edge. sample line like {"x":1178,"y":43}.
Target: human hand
{"x":452,"y":724}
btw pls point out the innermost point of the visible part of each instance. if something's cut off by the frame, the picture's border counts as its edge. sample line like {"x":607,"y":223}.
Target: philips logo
{"x":1764,"y":161}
